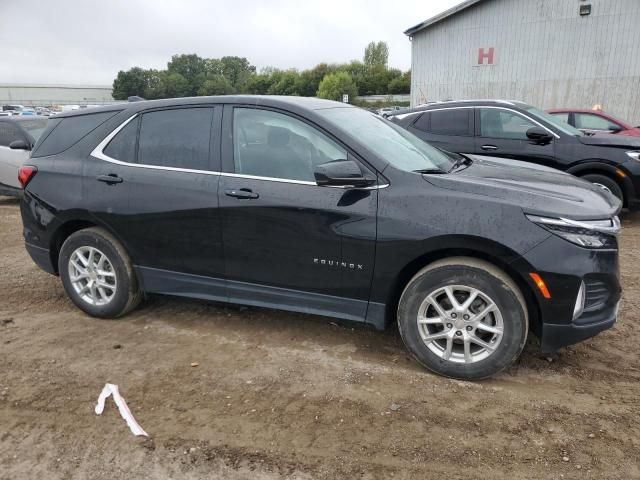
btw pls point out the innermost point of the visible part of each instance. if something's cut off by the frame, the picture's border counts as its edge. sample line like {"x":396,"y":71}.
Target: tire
{"x":119,"y":293}
{"x":463,"y":276}
{"x":606,"y":182}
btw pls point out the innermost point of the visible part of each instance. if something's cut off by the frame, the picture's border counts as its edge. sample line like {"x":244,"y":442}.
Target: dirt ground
{"x":282,"y":395}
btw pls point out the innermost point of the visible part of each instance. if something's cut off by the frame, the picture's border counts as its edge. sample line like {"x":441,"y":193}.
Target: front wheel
{"x":605,"y":183}
{"x":97,"y":274}
{"x":463,"y":318}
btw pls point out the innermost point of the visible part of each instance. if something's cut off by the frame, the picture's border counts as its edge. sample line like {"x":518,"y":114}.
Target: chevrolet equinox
{"x":320,"y":207}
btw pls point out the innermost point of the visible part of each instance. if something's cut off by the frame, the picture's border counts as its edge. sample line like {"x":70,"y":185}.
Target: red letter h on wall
{"x":485,"y":55}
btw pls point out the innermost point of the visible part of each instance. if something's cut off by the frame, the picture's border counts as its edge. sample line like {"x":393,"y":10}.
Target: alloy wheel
{"x":92,"y":276}
{"x":460,"y":324}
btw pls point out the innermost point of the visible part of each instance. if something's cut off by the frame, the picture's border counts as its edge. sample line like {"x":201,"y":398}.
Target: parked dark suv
{"x":319,"y":207}
{"x":515,"y":130}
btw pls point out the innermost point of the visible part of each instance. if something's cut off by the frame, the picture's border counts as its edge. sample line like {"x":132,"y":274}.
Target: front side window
{"x":497,"y":123}
{"x":271,"y":144}
{"x":452,"y":122}
{"x":8,"y":133}
{"x":562,"y":116}
{"x":588,"y":121}
{"x":177,"y":138}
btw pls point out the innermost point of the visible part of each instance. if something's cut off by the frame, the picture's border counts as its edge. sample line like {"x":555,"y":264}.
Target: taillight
{"x":25,"y":174}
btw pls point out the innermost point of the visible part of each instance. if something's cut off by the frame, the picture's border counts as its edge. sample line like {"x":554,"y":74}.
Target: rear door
{"x":502,"y":133}
{"x":287,"y":241}
{"x":450,"y":129}
{"x":165,"y":165}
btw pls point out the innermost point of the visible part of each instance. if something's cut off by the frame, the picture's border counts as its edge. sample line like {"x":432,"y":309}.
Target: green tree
{"x":309,"y":80}
{"x":237,"y":70}
{"x":190,"y":67}
{"x":376,"y":55}
{"x":334,"y":85}
{"x":258,"y":84}
{"x":215,"y":85}
{"x":400,"y":84}
{"x":284,"y":83}
{"x":132,"y":82}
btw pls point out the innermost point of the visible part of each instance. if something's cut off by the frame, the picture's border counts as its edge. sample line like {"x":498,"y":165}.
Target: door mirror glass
{"x":19,"y":145}
{"x":539,"y":135}
{"x":340,"y":173}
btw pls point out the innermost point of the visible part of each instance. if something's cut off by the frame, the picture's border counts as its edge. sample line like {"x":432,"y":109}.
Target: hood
{"x":608,"y":140}
{"x":537,"y":190}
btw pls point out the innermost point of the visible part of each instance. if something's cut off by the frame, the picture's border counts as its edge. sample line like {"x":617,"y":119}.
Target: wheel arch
{"x":68,"y":228}
{"x":482,"y":249}
{"x":596,"y":167}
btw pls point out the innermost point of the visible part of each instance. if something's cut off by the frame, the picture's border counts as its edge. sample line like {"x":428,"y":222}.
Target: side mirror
{"x":615,"y":128}
{"x":19,"y":145}
{"x":539,"y":135}
{"x":341,"y":173}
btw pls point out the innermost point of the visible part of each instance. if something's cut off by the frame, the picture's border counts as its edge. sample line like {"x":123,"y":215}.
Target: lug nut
{"x":449,"y":325}
{"x":453,"y":315}
{"x":469,"y":328}
{"x":466,"y":317}
{"x":458,"y":333}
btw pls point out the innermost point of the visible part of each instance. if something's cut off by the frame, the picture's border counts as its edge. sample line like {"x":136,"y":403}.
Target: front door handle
{"x":242,"y":193}
{"x":489,"y":147}
{"x":110,"y":179}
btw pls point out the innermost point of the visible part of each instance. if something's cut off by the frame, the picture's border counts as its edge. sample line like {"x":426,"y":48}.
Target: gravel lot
{"x":282,"y":395}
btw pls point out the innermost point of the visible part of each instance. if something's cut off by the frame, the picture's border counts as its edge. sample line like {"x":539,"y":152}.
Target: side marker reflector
{"x":620,"y":173}
{"x":540,"y":284}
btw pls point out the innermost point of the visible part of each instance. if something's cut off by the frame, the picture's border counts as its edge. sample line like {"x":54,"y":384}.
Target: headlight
{"x":634,"y":155}
{"x":599,"y":234}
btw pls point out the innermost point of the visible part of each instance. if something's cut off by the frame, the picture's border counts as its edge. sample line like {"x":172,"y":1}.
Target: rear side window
{"x":422,"y":123}
{"x":123,"y":146}
{"x":68,"y":131}
{"x":9,"y":133}
{"x":452,"y":122}
{"x":177,"y":138}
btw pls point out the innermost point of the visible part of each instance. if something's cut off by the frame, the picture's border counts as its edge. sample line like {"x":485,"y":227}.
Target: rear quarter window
{"x":65,"y":132}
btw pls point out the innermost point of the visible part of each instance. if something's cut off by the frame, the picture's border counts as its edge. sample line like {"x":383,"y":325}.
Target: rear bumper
{"x":41,"y":257}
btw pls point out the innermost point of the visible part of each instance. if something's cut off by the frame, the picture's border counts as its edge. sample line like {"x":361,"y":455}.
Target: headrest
{"x":277,"y":136}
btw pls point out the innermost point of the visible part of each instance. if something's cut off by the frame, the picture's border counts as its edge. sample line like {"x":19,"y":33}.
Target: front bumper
{"x":563,"y":266}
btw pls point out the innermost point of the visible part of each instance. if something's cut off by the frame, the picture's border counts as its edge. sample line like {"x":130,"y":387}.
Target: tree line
{"x":191,"y":75}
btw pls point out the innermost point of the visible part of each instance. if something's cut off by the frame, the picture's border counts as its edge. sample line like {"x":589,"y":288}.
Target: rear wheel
{"x":463,"y":318}
{"x":606,"y":183}
{"x":97,"y":274}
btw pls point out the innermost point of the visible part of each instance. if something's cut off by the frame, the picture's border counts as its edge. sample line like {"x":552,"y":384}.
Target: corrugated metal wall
{"x":41,"y":95}
{"x":545,"y":54}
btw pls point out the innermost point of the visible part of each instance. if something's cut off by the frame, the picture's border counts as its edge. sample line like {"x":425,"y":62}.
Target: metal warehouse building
{"x":44,"y":95}
{"x":549,"y":53}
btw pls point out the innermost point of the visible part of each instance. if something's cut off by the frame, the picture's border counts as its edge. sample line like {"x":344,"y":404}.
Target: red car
{"x":595,"y":121}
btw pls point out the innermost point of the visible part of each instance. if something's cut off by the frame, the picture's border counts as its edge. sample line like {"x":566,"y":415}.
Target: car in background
{"x":595,"y":121}
{"x":386,"y":111}
{"x":13,"y":109}
{"x":18,"y":135}
{"x":513,"y":130}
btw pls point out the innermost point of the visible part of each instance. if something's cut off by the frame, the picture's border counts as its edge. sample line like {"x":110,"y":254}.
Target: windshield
{"x":400,"y":148}
{"x":555,"y":121}
{"x":34,"y":127}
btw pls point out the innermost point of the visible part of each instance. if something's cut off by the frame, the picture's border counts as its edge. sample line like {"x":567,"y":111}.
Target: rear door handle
{"x":109,"y":179}
{"x":242,"y":193}
{"x":489,"y":147}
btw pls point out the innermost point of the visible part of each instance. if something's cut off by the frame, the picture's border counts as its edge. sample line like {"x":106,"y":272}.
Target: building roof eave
{"x":441,"y":16}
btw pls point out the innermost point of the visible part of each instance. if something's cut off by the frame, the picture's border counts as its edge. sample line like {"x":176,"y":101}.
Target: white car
{"x":22,"y":132}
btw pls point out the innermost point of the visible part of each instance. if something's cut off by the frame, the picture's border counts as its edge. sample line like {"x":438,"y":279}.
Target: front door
{"x":502,"y":133}
{"x":287,"y":241}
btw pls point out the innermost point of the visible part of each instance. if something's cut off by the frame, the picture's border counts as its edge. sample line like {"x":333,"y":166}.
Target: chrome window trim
{"x":98,"y":152}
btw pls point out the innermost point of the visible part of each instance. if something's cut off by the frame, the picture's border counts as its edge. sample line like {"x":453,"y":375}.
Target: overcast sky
{"x":89,"y":41}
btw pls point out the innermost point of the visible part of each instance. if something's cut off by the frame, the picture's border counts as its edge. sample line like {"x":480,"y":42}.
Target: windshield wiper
{"x":459,"y":162}
{"x":431,"y":170}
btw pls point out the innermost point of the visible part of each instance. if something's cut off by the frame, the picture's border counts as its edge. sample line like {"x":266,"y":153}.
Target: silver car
{"x":22,"y":132}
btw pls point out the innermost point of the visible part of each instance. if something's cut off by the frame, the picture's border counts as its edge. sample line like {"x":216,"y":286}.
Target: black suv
{"x":319,"y":207}
{"x":515,"y":130}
